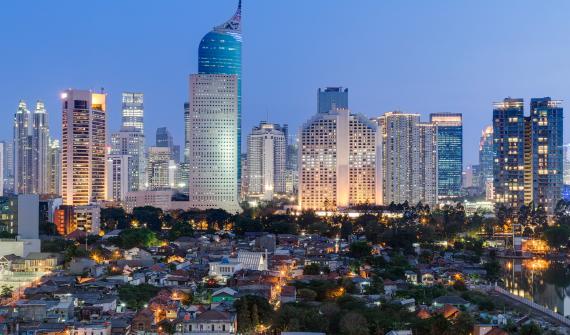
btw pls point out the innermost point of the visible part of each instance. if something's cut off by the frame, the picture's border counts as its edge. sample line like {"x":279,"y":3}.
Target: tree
{"x":6,"y":291}
{"x":493,"y":269}
{"x":360,"y":249}
{"x":312,"y":269}
{"x":114,"y":218}
{"x":136,"y":296}
{"x":353,"y":323}
{"x":530,"y":329}
{"x":306,"y":294}
{"x":463,"y":324}
{"x":142,"y":237}
{"x":180,"y":229}
{"x":557,"y":236}
{"x":149,"y":217}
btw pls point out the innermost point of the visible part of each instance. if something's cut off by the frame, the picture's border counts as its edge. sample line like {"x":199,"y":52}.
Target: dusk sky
{"x":416,"y":56}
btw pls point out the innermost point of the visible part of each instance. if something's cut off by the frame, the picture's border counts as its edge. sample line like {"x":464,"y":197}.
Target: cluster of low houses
{"x":214,"y":271}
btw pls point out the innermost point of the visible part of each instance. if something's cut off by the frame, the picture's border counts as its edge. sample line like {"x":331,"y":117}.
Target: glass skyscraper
{"x":332,"y":97}
{"x":486,"y":156}
{"x":220,"y":53}
{"x":529,"y":153}
{"x":450,"y":153}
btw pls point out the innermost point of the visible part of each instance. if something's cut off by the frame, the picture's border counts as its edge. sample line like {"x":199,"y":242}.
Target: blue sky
{"x":417,"y":56}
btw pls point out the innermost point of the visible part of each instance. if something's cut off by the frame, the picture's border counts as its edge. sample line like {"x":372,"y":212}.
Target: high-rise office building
{"x":337,"y":166}
{"x":117,"y":177}
{"x":408,"y":166}
{"x":213,"y":140}
{"x":529,"y":155}
{"x":486,"y":157}
{"x":186,"y":132}
{"x":40,"y":145}
{"x":131,"y":142}
{"x":450,"y":153}
{"x":163,"y":138}
{"x":25,"y":181}
{"x":8,"y":166}
{"x":544,"y":164}
{"x":220,"y":53}
{"x":83,"y":147}
{"x":331,"y":98}
{"x":508,"y":146}
{"x":133,"y":111}
{"x":266,"y":152}
{"x":566,"y":177}
{"x":54,"y":168}
{"x":158,"y":168}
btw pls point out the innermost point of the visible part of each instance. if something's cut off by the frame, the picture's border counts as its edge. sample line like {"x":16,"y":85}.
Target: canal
{"x":545,"y":282}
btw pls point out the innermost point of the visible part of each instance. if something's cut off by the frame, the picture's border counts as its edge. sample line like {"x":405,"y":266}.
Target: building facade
{"x":450,"y":153}
{"x":266,"y":152}
{"x":83,"y":147}
{"x":133,"y":111}
{"x":409,"y":152}
{"x":330,"y":98}
{"x":337,"y":161}
{"x":54,"y":168}
{"x":131,"y":142}
{"x":486,"y":157}
{"x":40,"y":148}
{"x":213,"y":171}
{"x":158,"y":168}
{"x":23,"y":151}
{"x":117,"y":177}
{"x":219,"y":53}
{"x":528,"y":165}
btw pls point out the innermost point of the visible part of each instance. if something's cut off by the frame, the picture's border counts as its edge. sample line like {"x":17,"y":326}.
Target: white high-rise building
{"x":54,"y":168}
{"x":40,"y":145}
{"x":8,"y":166}
{"x":266,"y":153}
{"x":131,"y":142}
{"x":23,"y":152}
{"x":337,"y":161}
{"x":213,"y":142}
{"x":158,"y":168}
{"x":83,"y":147}
{"x":117,"y":177}
{"x":408,"y":159}
{"x":133,"y":111}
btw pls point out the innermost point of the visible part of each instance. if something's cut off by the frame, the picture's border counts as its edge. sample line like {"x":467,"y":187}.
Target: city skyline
{"x":433,"y":81}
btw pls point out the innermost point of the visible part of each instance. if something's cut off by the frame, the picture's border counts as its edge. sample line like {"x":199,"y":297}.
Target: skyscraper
{"x":409,"y":151}
{"x":8,"y":166}
{"x":117,"y":177}
{"x":486,"y":157}
{"x":40,"y":145}
{"x":163,"y":138}
{"x":529,"y":155}
{"x":213,"y":181}
{"x":186,"y":132}
{"x":266,"y":151}
{"x":337,"y":166}
{"x":450,"y":153}
{"x":54,"y":168}
{"x":83,"y":140}
{"x":331,"y":98}
{"x":508,"y":146}
{"x":23,"y":152}
{"x":158,"y":166}
{"x":133,"y":111}
{"x":131,"y":142}
{"x":220,"y":53}
{"x":545,"y":132}
{"x":566,"y":177}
